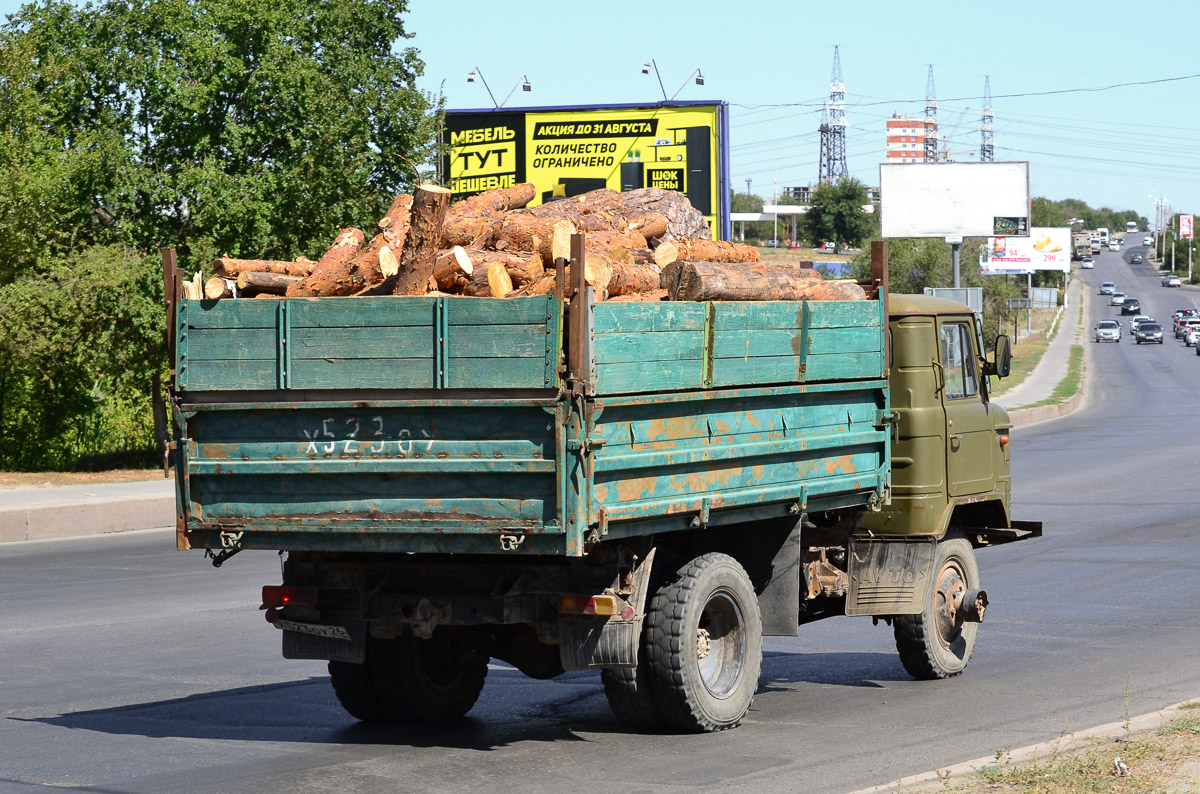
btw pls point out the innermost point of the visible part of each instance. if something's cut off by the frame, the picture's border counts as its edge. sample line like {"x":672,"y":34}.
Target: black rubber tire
{"x":631,"y":698}
{"x":355,"y":689}
{"x":704,"y":645}
{"x":930,"y":653}
{"x":426,"y":681}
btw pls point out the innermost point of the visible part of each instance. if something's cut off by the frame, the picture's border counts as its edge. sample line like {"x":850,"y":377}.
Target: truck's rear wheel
{"x":631,"y":698}
{"x":704,"y":645}
{"x":427,"y":680}
{"x":938,"y":642}
{"x":354,"y":686}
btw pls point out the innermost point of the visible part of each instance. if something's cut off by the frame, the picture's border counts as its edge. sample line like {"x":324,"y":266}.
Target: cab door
{"x":970,"y":431}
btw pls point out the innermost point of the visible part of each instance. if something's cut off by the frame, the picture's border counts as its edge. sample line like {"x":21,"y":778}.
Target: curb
{"x":80,"y":519}
{"x":1026,"y":417}
{"x":939,"y":779}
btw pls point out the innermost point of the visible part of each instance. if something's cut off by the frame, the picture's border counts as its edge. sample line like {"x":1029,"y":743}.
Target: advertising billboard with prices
{"x":1186,"y":227}
{"x":1046,"y":248}
{"x":568,"y":150}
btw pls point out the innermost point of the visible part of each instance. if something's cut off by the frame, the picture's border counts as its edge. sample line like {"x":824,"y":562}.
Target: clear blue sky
{"x":1109,"y":147}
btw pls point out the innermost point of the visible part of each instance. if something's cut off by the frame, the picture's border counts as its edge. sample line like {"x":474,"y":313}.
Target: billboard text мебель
{"x":566,"y":151}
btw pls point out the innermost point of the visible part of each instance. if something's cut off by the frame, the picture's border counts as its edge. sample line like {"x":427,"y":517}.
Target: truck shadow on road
{"x":513,"y":708}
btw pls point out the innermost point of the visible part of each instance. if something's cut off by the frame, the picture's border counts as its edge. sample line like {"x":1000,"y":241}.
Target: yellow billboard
{"x":566,"y":151}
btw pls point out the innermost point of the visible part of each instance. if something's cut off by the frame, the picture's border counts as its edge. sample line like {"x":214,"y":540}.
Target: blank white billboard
{"x":942,"y":199}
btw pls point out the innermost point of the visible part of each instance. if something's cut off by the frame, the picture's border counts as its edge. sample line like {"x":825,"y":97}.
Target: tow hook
{"x":974,"y":603}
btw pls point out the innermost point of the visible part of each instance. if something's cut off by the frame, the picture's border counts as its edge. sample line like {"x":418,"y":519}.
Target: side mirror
{"x":1001,"y":364}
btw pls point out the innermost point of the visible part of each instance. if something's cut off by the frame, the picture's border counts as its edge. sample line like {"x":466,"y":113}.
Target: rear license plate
{"x":336,"y":632}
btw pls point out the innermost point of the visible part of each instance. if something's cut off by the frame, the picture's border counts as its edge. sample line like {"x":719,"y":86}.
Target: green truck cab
{"x":646,"y":489}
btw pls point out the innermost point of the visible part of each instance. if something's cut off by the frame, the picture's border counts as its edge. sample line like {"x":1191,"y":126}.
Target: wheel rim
{"x":951,"y":584}
{"x":721,"y":644}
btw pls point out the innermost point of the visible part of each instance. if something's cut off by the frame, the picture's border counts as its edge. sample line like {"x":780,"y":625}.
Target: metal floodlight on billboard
{"x":954,"y":199}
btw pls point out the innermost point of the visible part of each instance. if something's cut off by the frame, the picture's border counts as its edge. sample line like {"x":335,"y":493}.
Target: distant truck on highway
{"x":1081,"y":245}
{"x":645,"y":488}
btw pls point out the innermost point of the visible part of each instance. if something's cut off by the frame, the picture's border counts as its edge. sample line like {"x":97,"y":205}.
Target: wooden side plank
{"x":646,"y":317}
{"x":751,"y":315}
{"x":749,"y":344}
{"x":659,"y":346}
{"x":647,"y":376}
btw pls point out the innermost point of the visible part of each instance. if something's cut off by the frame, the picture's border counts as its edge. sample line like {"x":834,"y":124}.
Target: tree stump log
{"x":421,"y":244}
{"x":253,"y":283}
{"x":703,"y":281}
{"x":230,"y":267}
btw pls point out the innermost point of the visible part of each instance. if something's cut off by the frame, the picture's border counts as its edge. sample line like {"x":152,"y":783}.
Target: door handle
{"x":956,"y":437}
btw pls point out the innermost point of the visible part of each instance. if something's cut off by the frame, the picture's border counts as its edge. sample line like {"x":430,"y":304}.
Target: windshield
{"x":1150,"y":328}
{"x":1108,"y":324}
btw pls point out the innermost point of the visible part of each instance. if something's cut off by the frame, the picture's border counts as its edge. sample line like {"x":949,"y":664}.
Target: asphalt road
{"x":126,"y":666}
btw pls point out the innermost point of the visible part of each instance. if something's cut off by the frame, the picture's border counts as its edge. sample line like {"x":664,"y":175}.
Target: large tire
{"x":354,"y":686}
{"x":427,"y":681}
{"x":937,"y":643}
{"x":704,"y":645}
{"x":631,"y":698}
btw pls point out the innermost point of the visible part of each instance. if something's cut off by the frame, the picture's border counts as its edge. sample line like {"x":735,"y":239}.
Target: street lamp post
{"x":652,"y":65}
{"x":523,"y":83}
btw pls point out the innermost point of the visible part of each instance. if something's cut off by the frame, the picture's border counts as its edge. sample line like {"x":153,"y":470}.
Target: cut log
{"x":251,"y":283}
{"x":704,"y":281}
{"x":640,"y":297}
{"x":394,"y":224}
{"x":522,"y":268}
{"x":641,"y":256}
{"x":542,"y":286}
{"x":193,"y":289}
{"x":517,"y":230}
{"x":419,"y":253}
{"x":338,"y":272}
{"x":683,"y":220}
{"x":651,"y":224}
{"x":473,"y":217}
{"x":452,"y":269}
{"x":388,"y":264}
{"x":601,"y":200}
{"x":491,"y":281}
{"x":606,"y":241}
{"x":665,"y":254}
{"x":698,"y":249}
{"x":629,"y":278}
{"x":267,"y":295}
{"x":560,"y":240}
{"x":216,"y":288}
{"x":229,"y":267}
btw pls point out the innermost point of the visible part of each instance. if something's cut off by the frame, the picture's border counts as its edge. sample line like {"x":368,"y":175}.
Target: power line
{"x":1050,"y":92}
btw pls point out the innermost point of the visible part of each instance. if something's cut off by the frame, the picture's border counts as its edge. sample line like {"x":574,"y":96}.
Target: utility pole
{"x":987,"y":148}
{"x":837,"y":121}
{"x":931,"y":134}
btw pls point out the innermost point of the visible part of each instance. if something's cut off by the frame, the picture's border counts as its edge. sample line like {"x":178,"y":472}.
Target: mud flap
{"x":307,"y":646}
{"x":587,"y":642}
{"x":890,"y":576}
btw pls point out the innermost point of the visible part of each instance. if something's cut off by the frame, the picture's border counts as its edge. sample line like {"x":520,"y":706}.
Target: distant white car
{"x":1147,"y":241}
{"x":1172,"y":281}
{"x":1192,"y":336}
{"x":1108,"y":288}
{"x":1087,"y":263}
{"x":1117,"y":299}
{"x":1108,"y":331}
{"x":1114,"y":246}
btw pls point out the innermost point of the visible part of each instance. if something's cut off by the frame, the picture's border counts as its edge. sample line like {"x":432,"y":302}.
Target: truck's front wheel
{"x":938,"y":642}
{"x":704,"y":645}
{"x":431,"y":680}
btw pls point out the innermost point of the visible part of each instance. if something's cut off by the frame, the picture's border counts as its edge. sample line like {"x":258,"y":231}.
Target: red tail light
{"x":274,"y":595}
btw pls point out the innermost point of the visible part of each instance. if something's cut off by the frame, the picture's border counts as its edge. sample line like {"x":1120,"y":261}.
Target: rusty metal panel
{"x":709,"y":451}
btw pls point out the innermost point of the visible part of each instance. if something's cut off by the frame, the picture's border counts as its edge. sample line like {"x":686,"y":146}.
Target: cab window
{"x":958,"y":363}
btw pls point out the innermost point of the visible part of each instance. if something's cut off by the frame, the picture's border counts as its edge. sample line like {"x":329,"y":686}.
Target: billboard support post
{"x":1029,"y":311}
{"x":954,"y":256}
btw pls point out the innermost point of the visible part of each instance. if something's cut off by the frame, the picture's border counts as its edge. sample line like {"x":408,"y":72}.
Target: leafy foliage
{"x":836,"y":214}
{"x":212,"y":126}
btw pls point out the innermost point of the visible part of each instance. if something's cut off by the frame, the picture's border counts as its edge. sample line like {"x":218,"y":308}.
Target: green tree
{"x":836,"y":213}
{"x":213,"y":126}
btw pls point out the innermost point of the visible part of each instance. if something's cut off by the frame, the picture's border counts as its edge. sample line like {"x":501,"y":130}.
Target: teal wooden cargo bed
{"x":475,"y":425}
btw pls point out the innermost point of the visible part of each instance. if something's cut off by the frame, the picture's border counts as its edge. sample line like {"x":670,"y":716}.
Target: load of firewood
{"x":647,"y":244}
